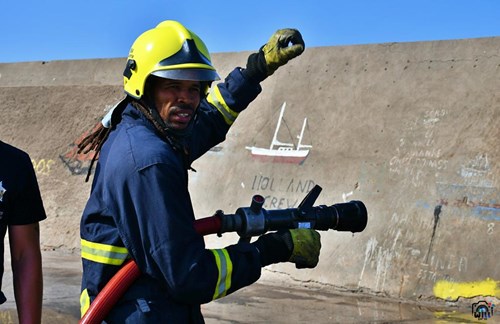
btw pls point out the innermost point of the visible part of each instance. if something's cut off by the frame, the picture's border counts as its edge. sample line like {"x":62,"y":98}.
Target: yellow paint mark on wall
{"x":453,"y":290}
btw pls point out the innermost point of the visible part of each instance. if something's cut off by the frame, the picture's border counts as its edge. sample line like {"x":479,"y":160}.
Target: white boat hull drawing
{"x":282,"y":152}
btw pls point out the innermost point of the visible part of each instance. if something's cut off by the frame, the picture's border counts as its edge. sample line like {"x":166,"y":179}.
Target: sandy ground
{"x":262,"y":302}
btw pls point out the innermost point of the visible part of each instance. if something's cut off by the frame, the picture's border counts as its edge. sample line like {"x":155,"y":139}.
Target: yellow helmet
{"x":168,"y":51}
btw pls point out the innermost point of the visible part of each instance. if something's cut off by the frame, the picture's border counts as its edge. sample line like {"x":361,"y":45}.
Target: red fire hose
{"x":129,"y":272}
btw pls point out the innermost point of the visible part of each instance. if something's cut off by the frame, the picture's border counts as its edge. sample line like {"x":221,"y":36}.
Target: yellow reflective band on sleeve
{"x":103,"y":253}
{"x":84,"y":302}
{"x":215,"y":98}
{"x":225,"y":267}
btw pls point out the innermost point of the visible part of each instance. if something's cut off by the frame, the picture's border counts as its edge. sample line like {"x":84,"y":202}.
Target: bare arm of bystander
{"x":27,"y":271}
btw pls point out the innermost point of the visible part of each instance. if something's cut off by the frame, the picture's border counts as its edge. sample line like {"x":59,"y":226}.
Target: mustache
{"x":181,"y":107}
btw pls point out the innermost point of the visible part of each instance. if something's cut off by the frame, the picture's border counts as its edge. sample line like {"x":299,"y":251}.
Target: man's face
{"x":176,"y":101}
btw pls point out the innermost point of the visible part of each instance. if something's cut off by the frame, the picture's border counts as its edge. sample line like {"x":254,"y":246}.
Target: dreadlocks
{"x":93,"y":142}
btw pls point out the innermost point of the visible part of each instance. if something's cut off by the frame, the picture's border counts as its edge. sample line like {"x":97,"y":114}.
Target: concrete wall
{"x":410,"y":129}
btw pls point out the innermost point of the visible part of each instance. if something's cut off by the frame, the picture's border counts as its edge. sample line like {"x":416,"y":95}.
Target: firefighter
{"x":139,"y":206}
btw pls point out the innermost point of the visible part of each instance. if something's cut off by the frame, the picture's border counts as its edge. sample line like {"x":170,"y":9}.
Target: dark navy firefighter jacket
{"x":140,"y":208}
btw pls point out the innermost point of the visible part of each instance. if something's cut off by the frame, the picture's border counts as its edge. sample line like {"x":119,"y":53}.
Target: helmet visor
{"x":188,"y":74}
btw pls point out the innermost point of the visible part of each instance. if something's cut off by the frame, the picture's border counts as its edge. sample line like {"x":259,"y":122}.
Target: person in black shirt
{"x":21,"y":208}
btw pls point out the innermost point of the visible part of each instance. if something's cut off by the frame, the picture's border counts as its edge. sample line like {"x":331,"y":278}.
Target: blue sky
{"x":46,"y":30}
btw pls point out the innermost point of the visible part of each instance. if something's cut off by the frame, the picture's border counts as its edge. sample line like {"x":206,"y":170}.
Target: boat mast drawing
{"x":282,"y":152}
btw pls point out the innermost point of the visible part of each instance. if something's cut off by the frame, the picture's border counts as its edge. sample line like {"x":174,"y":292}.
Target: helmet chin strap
{"x":176,"y":138}
{"x":178,"y":134}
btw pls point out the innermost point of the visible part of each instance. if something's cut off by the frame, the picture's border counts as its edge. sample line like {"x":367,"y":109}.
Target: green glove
{"x":278,"y":53}
{"x":306,"y":246}
{"x":274,"y":54}
{"x":299,"y":246}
